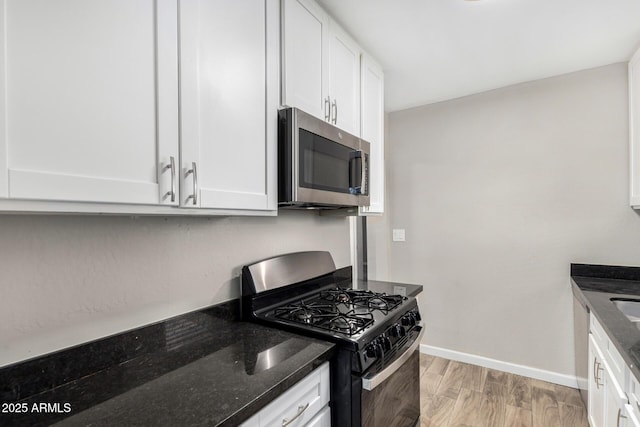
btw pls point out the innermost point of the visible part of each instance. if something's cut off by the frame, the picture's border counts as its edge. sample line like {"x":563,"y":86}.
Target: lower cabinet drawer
{"x":323,"y":419}
{"x":611,"y":355}
{"x":632,"y":415}
{"x":299,"y":405}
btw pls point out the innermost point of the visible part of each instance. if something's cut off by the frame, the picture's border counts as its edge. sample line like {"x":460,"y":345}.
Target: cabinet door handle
{"x":598,"y":378}
{"x":194,"y":171}
{"x":619,"y":416}
{"x":596,"y":372}
{"x":327,"y":109}
{"x":172,"y":166}
{"x":335,"y":112}
{"x":301,"y":409}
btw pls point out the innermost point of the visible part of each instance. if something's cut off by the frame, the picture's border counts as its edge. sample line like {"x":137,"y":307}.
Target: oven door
{"x":391,"y":397}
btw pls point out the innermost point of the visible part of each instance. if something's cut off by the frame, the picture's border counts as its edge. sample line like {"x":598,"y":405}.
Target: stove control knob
{"x":397,"y":331}
{"x":417,"y":316}
{"x":393,"y":330}
{"x":409,"y":319}
{"x":375,"y":350}
{"x":371,"y":351}
{"x":385,"y":342}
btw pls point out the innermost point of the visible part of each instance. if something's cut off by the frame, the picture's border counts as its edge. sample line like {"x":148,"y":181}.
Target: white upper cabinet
{"x":229,"y":87}
{"x":145,"y":106}
{"x":305,"y":77}
{"x":634,"y":129}
{"x":321,"y":66}
{"x":372,"y":130}
{"x":89,"y":101}
{"x":344,"y":80}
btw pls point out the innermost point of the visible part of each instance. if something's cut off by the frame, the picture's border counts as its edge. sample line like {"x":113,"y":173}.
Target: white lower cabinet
{"x":596,"y":385}
{"x":323,"y":419}
{"x":304,"y":404}
{"x":633,"y":407}
{"x":632,"y":416}
{"x":612,"y":386}
{"x":616,"y":399}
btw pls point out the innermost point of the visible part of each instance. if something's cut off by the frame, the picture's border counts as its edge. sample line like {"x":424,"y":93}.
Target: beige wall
{"x":68,"y":279}
{"x":499,"y":192}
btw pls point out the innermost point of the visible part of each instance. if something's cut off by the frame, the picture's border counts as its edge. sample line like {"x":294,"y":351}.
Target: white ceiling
{"x":434,"y":50}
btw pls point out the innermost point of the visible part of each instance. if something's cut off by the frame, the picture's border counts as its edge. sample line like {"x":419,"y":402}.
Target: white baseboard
{"x":525,"y":371}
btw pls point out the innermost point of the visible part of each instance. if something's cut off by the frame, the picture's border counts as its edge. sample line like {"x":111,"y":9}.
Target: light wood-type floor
{"x":458,"y":394}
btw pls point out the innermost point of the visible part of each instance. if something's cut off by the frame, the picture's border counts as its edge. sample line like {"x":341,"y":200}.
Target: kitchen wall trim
{"x":512,"y":368}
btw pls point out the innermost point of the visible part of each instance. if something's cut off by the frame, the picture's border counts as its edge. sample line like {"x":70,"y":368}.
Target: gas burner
{"x":302,"y":315}
{"x":336,"y":295}
{"x":306,"y":313}
{"x":350,"y":323}
{"x":326,"y":315}
{"x":346,"y":311}
{"x":363,"y":299}
{"x":378,"y":304}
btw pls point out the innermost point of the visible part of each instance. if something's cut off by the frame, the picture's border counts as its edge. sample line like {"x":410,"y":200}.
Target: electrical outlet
{"x":398,"y":235}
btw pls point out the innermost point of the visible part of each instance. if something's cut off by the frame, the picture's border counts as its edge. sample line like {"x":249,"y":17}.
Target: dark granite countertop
{"x":343,"y":277}
{"x":594,"y":286}
{"x":390,"y":287}
{"x":201,"y":368}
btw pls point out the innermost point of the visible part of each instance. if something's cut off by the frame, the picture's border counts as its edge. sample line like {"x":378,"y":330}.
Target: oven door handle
{"x":371,"y":383}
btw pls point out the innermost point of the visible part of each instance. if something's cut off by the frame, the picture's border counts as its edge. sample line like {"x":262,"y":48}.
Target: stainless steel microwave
{"x":319,"y":165}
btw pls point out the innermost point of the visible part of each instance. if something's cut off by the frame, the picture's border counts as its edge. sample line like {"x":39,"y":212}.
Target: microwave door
{"x":324,"y":164}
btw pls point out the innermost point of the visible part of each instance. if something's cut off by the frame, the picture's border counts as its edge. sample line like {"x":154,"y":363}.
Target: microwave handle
{"x":364,"y":175}
{"x":364,"y":171}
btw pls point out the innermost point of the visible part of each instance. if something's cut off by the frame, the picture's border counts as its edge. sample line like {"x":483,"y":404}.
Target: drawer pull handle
{"x":301,"y":409}
{"x":595,"y":372}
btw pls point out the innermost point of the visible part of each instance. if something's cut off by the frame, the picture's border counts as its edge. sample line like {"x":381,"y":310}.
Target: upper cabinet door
{"x":321,"y":66}
{"x":344,"y":86}
{"x":634,"y":129}
{"x":372,"y":119}
{"x":89,"y":101}
{"x":229,"y":52}
{"x":304,"y":74}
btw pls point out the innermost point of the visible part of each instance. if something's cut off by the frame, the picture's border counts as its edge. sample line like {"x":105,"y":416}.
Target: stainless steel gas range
{"x":375,"y":372}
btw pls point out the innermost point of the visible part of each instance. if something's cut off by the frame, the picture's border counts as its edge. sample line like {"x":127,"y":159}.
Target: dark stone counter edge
{"x":607,"y":280}
{"x":605,"y":271}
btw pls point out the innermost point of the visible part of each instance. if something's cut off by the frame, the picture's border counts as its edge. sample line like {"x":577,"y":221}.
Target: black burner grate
{"x":325,"y":316}
{"x":363,"y":299}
